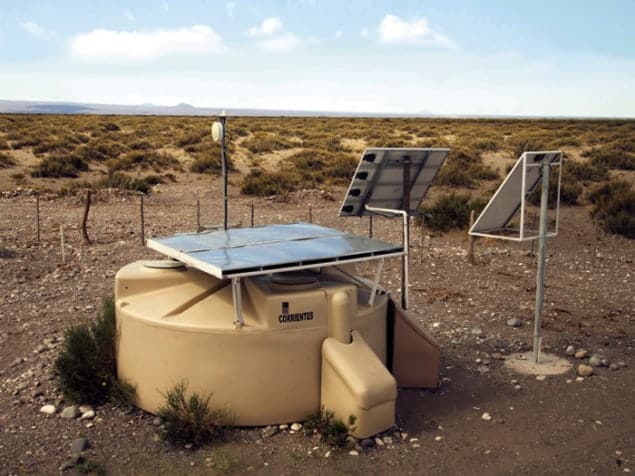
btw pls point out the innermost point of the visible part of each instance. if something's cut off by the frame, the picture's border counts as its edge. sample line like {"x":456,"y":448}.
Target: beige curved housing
{"x":177,"y":324}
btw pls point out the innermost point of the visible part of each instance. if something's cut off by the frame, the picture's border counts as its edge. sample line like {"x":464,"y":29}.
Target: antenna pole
{"x":540,"y":275}
{"x":223,"y":159}
{"x":406,"y":232}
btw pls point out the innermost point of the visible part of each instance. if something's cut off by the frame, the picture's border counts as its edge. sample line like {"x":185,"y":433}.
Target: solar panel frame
{"x":274,"y":248}
{"x":511,"y":196}
{"x":378,"y":179}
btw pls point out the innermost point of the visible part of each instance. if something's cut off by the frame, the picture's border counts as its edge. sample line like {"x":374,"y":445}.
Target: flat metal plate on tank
{"x":163,"y":264}
{"x":378,"y":181}
{"x":272,"y":248}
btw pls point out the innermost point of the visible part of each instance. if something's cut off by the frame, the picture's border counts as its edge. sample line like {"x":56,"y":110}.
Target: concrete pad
{"x":548,"y":364}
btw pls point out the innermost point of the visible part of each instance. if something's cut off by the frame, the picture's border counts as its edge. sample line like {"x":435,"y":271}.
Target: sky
{"x":451,"y":57}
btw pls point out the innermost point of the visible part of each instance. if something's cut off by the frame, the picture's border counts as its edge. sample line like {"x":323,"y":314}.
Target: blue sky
{"x":446,"y":57}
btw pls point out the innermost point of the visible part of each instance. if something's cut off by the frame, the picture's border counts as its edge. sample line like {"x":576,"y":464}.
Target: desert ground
{"x":553,"y":425}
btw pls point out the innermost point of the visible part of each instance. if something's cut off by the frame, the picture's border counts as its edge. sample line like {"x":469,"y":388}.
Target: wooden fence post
{"x":143,"y":237}
{"x":85,"y":218}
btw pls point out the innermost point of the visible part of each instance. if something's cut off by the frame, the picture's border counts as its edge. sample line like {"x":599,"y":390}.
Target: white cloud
{"x":284,"y":42}
{"x":363,"y":33}
{"x":393,"y":29}
{"x":230,"y":8}
{"x":139,"y":45}
{"x":129,"y":16}
{"x":35,"y":29}
{"x":269,"y":26}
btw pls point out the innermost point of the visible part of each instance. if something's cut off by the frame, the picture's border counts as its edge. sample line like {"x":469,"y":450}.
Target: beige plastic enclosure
{"x":309,"y":340}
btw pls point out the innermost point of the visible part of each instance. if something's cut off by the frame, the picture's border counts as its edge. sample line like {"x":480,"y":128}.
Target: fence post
{"x":62,"y":243}
{"x":252,"y":214}
{"x":310,"y":214}
{"x":470,"y":241}
{"x":37,"y":216}
{"x":85,"y":218}
{"x":198,"y":216}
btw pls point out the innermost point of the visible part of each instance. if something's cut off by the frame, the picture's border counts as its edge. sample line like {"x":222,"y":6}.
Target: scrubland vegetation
{"x":276,"y":156}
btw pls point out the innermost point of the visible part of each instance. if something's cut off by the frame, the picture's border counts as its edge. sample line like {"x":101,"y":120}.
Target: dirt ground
{"x":552,"y":426}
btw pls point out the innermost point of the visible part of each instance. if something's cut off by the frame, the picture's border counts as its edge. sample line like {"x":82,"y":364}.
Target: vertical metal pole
{"x":540,"y":275}
{"x":406,"y":232}
{"x":370,"y":226}
{"x":143,"y":231}
{"x":310,"y":214}
{"x":522,"y":196}
{"x":252,"y":214}
{"x":223,"y":159}
{"x":37,"y":216}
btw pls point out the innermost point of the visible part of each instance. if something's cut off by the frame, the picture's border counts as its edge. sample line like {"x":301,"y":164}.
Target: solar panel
{"x":379,"y":179}
{"x":521,"y":181}
{"x":272,"y":248}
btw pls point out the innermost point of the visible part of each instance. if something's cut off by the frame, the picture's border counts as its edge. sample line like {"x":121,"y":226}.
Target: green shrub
{"x":190,"y":419}
{"x":586,"y":171}
{"x":6,"y":160}
{"x":613,"y":156}
{"x":451,"y":211}
{"x":206,"y":165}
{"x":614,"y":206}
{"x":463,"y":168}
{"x":332,"y":431}
{"x":264,"y":184}
{"x":86,"y":367}
{"x":101,"y":150}
{"x":142,"y":159}
{"x":60,"y":166}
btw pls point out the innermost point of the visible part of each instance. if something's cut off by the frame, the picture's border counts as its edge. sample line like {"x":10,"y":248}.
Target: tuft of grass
{"x":189,"y":419}
{"x":614,"y":206}
{"x":55,"y":166}
{"x":332,"y":431}
{"x":451,"y":211}
{"x":86,"y":367}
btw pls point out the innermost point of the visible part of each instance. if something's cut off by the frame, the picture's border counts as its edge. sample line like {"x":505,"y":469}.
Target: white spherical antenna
{"x":217,"y":131}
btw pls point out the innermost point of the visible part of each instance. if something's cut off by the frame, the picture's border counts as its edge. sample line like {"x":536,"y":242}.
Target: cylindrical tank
{"x":176,"y":324}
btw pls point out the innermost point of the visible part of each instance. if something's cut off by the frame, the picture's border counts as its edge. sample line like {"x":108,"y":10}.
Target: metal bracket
{"x":238,"y":303}
{"x":373,"y":290}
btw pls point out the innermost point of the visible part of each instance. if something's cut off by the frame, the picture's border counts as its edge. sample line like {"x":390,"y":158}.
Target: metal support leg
{"x":238,"y":303}
{"x":373,"y":290}
{"x":540,"y":275}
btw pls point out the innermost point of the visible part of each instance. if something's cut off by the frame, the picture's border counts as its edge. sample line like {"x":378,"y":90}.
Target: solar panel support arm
{"x":406,"y":248}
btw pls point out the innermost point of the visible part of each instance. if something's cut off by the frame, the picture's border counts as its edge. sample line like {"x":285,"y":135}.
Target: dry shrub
{"x":463,"y":168}
{"x":614,"y":206}
{"x":332,"y":431}
{"x":60,"y":166}
{"x":262,"y":142}
{"x":265,"y":184}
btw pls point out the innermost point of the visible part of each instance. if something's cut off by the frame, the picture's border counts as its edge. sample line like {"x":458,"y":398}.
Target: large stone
{"x":585,"y":370}
{"x":581,"y":354}
{"x":570,"y":350}
{"x":48,"y":409}
{"x":296,"y":426}
{"x":78,"y":445}
{"x":70,"y":412}
{"x":595,"y":361}
{"x":515,"y":322}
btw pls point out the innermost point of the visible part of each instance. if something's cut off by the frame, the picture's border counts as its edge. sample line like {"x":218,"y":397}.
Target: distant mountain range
{"x":183,"y":109}
{"x":49,"y":107}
